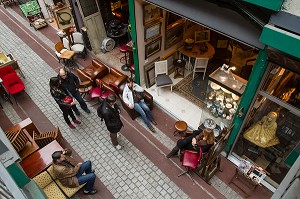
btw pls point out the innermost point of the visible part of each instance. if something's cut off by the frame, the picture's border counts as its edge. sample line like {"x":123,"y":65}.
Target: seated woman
{"x":204,"y":139}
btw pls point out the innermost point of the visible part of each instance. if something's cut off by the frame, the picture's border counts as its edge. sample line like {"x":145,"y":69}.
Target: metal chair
{"x":162,"y":78}
{"x":200,"y":66}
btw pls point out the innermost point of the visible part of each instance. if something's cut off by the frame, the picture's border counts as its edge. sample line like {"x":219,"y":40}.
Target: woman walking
{"x":64,"y":100}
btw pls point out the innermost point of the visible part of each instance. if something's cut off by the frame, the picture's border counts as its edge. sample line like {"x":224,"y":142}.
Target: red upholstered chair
{"x":10,"y":80}
{"x":190,"y":161}
{"x":99,"y":92}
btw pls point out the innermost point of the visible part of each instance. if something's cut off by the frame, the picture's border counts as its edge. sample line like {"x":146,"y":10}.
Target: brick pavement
{"x":127,"y":173}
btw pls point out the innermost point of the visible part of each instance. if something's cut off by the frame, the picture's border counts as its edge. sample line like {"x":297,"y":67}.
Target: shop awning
{"x":220,"y":19}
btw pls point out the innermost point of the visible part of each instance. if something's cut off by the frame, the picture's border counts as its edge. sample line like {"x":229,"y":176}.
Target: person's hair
{"x":54,"y":82}
{"x":209,"y":135}
{"x":56,"y":155}
{"x":129,"y":80}
{"x":111,"y":98}
{"x":63,"y":69}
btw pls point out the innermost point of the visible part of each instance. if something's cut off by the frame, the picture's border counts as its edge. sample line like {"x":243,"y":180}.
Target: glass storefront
{"x":270,"y":133}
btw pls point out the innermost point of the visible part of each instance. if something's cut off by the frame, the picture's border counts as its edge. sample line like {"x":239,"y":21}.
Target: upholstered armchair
{"x":107,"y":75}
{"x":133,"y":113}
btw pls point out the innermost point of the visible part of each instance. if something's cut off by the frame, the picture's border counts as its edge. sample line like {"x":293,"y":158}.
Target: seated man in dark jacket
{"x":70,"y":173}
{"x":204,"y":139}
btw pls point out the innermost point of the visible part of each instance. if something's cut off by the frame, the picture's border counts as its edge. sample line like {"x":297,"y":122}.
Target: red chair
{"x":190,"y":161}
{"x":99,"y":92}
{"x":11,"y":81}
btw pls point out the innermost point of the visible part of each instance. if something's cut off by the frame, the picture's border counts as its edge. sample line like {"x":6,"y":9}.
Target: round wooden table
{"x":196,"y":53}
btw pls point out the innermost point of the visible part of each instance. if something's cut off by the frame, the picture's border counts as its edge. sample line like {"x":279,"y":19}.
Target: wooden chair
{"x":59,"y":48}
{"x":162,"y":78}
{"x":200,"y":66}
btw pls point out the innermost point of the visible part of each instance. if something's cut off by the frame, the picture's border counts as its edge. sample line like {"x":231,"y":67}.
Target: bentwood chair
{"x":162,"y":78}
{"x":200,"y":66}
{"x":78,"y":44}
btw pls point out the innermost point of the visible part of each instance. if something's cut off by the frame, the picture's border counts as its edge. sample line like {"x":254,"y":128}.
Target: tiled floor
{"x":140,"y":170}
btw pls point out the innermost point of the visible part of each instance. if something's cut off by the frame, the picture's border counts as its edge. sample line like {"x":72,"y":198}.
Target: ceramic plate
{"x":225,"y":90}
{"x":214,"y":86}
{"x":228,"y":105}
{"x":235,"y":97}
{"x":216,"y":132}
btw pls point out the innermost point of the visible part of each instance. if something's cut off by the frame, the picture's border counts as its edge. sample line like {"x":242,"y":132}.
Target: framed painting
{"x":64,"y":18}
{"x":174,"y":36}
{"x":172,"y":20}
{"x":150,"y":73}
{"x":151,"y":13}
{"x":153,"y":30}
{"x":202,"y":36}
{"x":153,"y":47}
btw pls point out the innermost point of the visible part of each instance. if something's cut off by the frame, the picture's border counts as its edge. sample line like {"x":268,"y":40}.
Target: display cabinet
{"x":224,"y":90}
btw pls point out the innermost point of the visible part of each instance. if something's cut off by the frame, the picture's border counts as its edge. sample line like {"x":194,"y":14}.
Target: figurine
{"x":263,"y":133}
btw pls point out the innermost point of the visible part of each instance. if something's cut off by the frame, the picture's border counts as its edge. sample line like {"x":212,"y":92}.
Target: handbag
{"x":67,"y":100}
{"x":138,"y":96}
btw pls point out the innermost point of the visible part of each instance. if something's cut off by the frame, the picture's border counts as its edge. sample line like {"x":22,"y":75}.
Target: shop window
{"x":271,"y":134}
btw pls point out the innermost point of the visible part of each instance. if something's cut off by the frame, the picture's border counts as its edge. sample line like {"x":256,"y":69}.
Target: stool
{"x":180,"y":127}
{"x":131,"y":69}
{"x":124,"y":49}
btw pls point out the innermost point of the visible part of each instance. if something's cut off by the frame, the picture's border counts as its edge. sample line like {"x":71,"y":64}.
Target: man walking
{"x":70,"y":173}
{"x":70,"y":82}
{"x":110,"y":112}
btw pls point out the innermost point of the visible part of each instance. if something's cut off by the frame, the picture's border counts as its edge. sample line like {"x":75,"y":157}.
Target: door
{"x":92,"y":20}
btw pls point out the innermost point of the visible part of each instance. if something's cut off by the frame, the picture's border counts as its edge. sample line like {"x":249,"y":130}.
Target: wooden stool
{"x":180,"y":127}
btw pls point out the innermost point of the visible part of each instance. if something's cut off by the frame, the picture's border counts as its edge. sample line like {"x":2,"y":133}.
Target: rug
{"x":193,"y":90}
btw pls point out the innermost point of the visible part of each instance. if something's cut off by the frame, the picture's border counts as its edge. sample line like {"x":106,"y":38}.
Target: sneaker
{"x":76,"y":122}
{"x":92,"y":192}
{"x":72,"y":126}
{"x":77,"y":113}
{"x":152,"y":129}
{"x":87,"y":110}
{"x":153,"y":122}
{"x":118,"y":136}
{"x":119,"y":147}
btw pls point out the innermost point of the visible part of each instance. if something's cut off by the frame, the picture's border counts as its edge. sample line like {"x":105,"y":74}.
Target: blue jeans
{"x":142,"y":108}
{"x":89,"y":177}
{"x":80,"y":100}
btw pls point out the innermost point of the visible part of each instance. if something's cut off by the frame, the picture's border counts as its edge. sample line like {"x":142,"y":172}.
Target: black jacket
{"x":71,"y":83}
{"x":111,"y":117}
{"x":58,"y":95}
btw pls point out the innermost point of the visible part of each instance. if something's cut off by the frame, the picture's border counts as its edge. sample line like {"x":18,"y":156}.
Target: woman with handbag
{"x":133,"y":96}
{"x":64,"y":100}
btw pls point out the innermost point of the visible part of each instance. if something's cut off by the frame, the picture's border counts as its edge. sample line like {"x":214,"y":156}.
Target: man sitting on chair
{"x":70,"y":173}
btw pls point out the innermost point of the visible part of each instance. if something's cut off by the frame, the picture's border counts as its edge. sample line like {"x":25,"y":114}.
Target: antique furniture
{"x":9,"y":60}
{"x":30,"y":7}
{"x":200,"y":66}
{"x":6,"y":3}
{"x":124,"y":49}
{"x":37,"y":21}
{"x":40,"y":160}
{"x":67,"y":56}
{"x":50,"y":188}
{"x":78,"y":44}
{"x":98,"y":70}
{"x":162,"y":78}
{"x":85,"y":87}
{"x":11,"y":81}
{"x":133,"y":113}
{"x":196,"y":52}
{"x":180,"y":127}
{"x":190,"y":161}
{"x":69,"y":192}
{"x":59,"y":49}
{"x":247,"y":68}
{"x":3,"y":92}
{"x":179,"y":68}
{"x":43,"y":139}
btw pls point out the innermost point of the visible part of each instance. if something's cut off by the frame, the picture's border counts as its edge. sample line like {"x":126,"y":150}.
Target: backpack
{"x":100,"y":110}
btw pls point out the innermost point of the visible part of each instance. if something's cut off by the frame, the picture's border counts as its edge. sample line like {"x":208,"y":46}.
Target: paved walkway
{"x":140,"y":170}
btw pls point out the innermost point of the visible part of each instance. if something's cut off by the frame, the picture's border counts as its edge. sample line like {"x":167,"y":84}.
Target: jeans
{"x":89,"y":177}
{"x":80,"y":100}
{"x":66,"y":113}
{"x":142,"y":108}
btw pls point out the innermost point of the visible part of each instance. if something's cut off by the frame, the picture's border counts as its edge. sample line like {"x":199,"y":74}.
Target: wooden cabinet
{"x":9,"y":60}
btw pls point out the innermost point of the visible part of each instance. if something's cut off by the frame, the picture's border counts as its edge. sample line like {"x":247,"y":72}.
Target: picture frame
{"x":151,"y":13}
{"x":202,"y":36}
{"x":152,"y":31}
{"x":172,"y":20}
{"x":64,"y":18}
{"x":189,"y":24}
{"x":150,"y":73}
{"x":222,"y":43}
{"x":174,"y":36}
{"x":153,"y":47}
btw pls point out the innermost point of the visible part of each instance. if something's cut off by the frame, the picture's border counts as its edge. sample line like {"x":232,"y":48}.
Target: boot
{"x":173,"y":152}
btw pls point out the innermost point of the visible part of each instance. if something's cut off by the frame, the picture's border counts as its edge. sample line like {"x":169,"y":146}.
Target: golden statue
{"x":263,"y":133}
{"x":287,"y":95}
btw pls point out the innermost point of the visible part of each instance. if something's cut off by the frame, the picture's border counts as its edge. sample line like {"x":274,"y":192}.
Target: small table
{"x":67,"y":56}
{"x":179,"y":64}
{"x":40,"y":160}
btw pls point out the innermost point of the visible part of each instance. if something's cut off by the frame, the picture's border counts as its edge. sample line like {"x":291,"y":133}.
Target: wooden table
{"x":67,"y":56}
{"x":40,"y":160}
{"x":196,"y":53}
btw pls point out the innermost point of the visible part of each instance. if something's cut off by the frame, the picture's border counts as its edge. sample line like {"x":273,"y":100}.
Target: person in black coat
{"x":59,"y":94}
{"x":111,"y":115}
{"x":70,"y":82}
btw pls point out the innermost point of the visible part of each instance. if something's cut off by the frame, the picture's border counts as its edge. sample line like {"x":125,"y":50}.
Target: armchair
{"x":133,"y":113}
